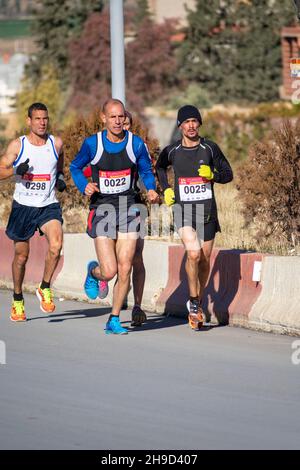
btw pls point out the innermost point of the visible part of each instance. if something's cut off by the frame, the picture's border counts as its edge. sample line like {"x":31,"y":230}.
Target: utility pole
{"x":117,"y":50}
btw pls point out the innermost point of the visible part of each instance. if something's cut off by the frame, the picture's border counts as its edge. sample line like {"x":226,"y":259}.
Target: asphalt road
{"x":66,"y":385}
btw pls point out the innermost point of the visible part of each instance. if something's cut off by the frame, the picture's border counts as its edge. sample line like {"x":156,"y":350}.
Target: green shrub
{"x":194,"y":94}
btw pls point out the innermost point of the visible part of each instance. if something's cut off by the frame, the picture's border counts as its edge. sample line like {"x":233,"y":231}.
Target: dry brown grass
{"x":234,"y":234}
{"x":75,"y":219}
{"x":5,"y":207}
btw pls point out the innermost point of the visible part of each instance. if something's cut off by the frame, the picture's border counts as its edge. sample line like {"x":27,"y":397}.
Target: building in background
{"x":16,"y":46}
{"x":163,"y":9}
{"x":290,"y":47}
{"x":16,"y":8}
{"x":11,"y":73}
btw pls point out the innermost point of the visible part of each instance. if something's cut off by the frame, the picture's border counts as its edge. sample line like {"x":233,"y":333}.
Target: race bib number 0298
{"x":114,"y":182}
{"x":36,"y":184}
{"x":194,"y":189}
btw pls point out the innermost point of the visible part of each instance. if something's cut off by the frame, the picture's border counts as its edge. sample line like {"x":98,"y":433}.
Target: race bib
{"x":36,"y":185}
{"x":194,"y":189}
{"x":114,"y":182}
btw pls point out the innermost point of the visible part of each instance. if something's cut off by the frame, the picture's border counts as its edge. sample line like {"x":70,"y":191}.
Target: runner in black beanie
{"x":187,"y":112}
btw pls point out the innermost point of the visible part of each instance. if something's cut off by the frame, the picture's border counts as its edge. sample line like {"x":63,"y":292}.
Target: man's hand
{"x":169,"y":196}
{"x":152,"y":196}
{"x":205,"y":172}
{"x":90,"y":189}
{"x":22,"y":168}
{"x":60,"y":182}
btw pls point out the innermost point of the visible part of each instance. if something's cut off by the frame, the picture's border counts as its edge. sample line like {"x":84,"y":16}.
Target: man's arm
{"x":222,"y":170}
{"x":60,"y":152}
{"x":161,"y":168}
{"x":144,"y":166}
{"x":82,"y":159}
{"x":60,"y":180}
{"x":7,"y":160}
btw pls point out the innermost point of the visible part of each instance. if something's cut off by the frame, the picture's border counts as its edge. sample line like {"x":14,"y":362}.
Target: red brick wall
{"x":290,"y":47}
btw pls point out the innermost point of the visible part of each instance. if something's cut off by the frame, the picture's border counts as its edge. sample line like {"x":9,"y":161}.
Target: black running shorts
{"x":108,"y":223}
{"x":206,"y":230}
{"x":25,"y":220}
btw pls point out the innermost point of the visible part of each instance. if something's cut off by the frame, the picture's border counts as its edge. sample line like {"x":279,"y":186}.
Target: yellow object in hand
{"x":169,"y":196}
{"x":205,"y":172}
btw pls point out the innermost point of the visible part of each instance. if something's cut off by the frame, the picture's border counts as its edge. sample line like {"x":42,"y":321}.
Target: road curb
{"x":230,"y":292}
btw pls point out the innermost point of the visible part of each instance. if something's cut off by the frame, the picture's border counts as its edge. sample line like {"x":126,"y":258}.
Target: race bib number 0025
{"x":194,"y":189}
{"x":114,"y":182}
{"x":38,"y":185}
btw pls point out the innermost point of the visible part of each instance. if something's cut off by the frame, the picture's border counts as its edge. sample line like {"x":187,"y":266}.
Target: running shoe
{"x":91,"y":284}
{"x":45,"y":297}
{"x":113,"y":326}
{"x":138,"y":316}
{"x":17,"y":311}
{"x":103,"y":289}
{"x":196,"y":316}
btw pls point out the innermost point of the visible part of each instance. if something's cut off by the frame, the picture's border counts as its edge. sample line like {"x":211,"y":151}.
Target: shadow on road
{"x":87,"y":313}
{"x":220,"y":291}
{"x":153,"y":322}
{"x":164,"y":321}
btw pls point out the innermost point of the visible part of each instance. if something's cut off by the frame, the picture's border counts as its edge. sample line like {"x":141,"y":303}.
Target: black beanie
{"x":187,"y":112}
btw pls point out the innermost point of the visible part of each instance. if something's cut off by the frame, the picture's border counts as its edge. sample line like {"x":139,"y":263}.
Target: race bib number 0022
{"x":194,"y":189}
{"x":114,"y":182}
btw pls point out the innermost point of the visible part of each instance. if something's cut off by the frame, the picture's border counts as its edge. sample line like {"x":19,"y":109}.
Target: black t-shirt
{"x":188,"y":186}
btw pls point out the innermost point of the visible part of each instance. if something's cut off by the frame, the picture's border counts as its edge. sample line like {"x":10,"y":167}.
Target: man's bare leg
{"x":204,"y":265}
{"x":193,"y":250}
{"x":17,"y":313}
{"x":125,"y":250}
{"x":54,"y":234}
{"x":138,"y":282}
{"x":138,"y":316}
{"x":19,"y":264}
{"x":106,"y":254}
{"x":138,"y":273}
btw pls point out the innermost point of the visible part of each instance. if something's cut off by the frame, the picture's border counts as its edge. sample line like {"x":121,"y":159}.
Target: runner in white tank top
{"x":36,"y":188}
{"x":36,"y":160}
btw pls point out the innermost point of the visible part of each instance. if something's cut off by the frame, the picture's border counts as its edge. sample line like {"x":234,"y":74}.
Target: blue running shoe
{"x":113,"y":326}
{"x":91,"y":284}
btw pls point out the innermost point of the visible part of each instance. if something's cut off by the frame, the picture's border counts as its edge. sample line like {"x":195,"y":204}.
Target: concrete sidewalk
{"x":66,"y":385}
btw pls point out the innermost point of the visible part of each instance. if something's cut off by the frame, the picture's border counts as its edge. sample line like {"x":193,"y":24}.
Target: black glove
{"x":60,"y":182}
{"x":22,"y":168}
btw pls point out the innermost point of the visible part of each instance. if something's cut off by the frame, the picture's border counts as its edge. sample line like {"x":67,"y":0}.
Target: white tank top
{"x":37,"y":187}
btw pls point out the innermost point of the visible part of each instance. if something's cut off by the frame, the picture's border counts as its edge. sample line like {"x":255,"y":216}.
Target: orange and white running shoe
{"x":45,"y":297}
{"x":196,"y":315}
{"x":18,"y":311}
